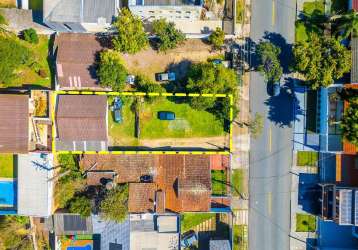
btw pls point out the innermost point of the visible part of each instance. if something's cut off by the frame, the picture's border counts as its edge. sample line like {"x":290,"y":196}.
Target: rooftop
{"x":76,"y":58}
{"x":14,"y":125}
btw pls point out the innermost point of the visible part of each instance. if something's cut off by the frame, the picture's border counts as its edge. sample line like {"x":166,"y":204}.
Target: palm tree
{"x":347,"y":23}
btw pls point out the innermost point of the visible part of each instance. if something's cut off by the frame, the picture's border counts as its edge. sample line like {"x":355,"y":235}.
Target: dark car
{"x":276,"y":88}
{"x":165,"y":76}
{"x":146,"y":178}
{"x":166,"y":115}
{"x":117,"y":110}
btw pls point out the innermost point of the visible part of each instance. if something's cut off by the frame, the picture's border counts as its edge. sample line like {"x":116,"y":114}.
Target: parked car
{"x":276,"y":88}
{"x":166,"y":115}
{"x":117,"y":110}
{"x":188,"y":239}
{"x":130,"y":79}
{"x":165,"y":76}
{"x":146,"y":178}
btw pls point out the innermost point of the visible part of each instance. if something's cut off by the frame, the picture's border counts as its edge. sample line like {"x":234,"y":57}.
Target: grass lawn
{"x":300,"y":32}
{"x":7,"y":165}
{"x":239,"y":237}
{"x":305,"y":223}
{"x":218,"y":180}
{"x":27,"y":75}
{"x":190,"y":220}
{"x":188,"y":123}
{"x":307,"y":158}
{"x":237,"y":182}
{"x":123,"y":133}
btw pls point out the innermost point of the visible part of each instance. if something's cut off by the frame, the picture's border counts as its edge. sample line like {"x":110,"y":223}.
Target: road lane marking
{"x":270,"y":139}
{"x":273,"y":13}
{"x":269,"y":203}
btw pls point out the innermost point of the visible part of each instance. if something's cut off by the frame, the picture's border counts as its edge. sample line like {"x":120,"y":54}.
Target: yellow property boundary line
{"x":113,"y":93}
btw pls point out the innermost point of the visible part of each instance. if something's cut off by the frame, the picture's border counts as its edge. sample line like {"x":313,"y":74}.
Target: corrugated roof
{"x":34,"y":173}
{"x":82,"y":117}
{"x":14,"y":123}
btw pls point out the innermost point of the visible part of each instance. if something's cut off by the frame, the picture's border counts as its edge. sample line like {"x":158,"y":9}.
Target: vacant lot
{"x":191,"y":127}
{"x":149,"y":61}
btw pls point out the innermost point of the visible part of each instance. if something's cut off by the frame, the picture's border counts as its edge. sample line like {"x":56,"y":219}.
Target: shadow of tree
{"x":284,"y":108}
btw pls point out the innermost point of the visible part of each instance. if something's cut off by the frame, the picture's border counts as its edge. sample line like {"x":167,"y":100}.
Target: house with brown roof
{"x":76,"y":56}
{"x":14,"y":123}
{"x":81,"y":122}
{"x":180,"y":183}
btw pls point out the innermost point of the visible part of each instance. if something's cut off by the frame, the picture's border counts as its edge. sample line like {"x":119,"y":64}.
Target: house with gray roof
{"x":79,"y":15}
{"x":35,"y":184}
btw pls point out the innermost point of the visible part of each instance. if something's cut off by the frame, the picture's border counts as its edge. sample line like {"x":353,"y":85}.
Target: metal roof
{"x":345,"y":207}
{"x":35,"y":187}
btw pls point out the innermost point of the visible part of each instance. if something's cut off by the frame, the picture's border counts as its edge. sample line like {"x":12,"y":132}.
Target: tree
{"x":30,"y":36}
{"x":347,"y":24}
{"x":15,"y":233}
{"x":217,"y":38}
{"x":115,"y":206}
{"x":321,"y":60}
{"x":169,"y":37}
{"x":111,"y":71}
{"x":131,"y":37}
{"x":67,"y":189}
{"x":13,"y":55}
{"x":80,"y":205}
{"x":269,"y":63}
{"x":209,"y":78}
{"x":349,"y":123}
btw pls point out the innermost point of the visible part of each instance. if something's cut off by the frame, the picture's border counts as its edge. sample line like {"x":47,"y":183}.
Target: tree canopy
{"x":30,"y":35}
{"x":210,"y":78}
{"x":131,"y":36}
{"x":80,"y":205}
{"x":111,"y":71}
{"x":269,"y":63}
{"x":347,"y":24}
{"x":143,"y":84}
{"x":321,"y":60}
{"x":115,"y":206}
{"x":15,"y":233}
{"x":217,"y":38}
{"x":169,"y":37}
{"x":349,"y":122}
{"x":13,"y":55}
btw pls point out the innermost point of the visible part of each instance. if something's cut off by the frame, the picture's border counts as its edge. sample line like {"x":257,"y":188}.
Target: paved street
{"x":271,"y":153}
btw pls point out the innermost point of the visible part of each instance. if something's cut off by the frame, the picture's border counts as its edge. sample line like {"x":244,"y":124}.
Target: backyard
{"x":190,"y":220}
{"x":153,"y":132}
{"x":219,"y":182}
{"x":305,"y":223}
{"x":307,"y":158}
{"x":6,"y":166}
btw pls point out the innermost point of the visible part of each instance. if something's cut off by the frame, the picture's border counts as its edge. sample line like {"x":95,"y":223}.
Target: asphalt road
{"x":271,"y":153}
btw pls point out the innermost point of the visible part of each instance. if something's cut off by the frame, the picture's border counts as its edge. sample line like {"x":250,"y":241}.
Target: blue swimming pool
{"x":8,"y":193}
{"x":87,"y":247}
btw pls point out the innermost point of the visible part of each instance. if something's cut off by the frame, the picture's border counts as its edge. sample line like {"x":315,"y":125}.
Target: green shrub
{"x":115,"y":205}
{"x":147,"y":86}
{"x":169,"y":37}
{"x":31,"y":36}
{"x":217,"y":38}
{"x":80,"y":205}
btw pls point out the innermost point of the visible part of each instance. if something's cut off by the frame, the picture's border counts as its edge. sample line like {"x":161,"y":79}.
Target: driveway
{"x":271,"y":153}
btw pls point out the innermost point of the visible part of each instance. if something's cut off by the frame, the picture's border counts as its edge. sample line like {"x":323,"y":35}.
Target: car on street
{"x":166,"y":115}
{"x":165,"y":77}
{"x":117,"y":110}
